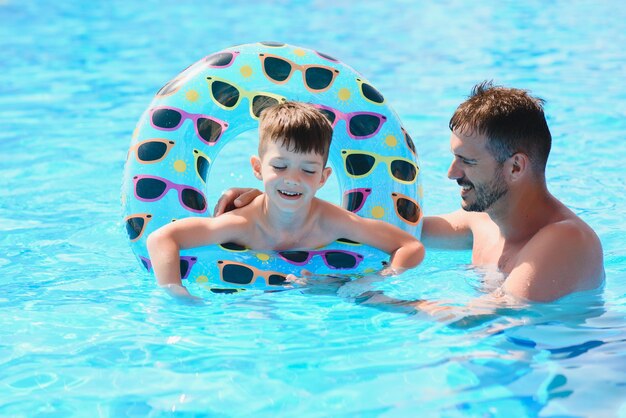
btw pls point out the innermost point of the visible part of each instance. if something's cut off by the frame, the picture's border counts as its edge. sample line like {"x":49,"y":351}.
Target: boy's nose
{"x":292,"y":178}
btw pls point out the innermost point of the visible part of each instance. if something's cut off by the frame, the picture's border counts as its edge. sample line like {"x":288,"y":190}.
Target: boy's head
{"x":299,"y":127}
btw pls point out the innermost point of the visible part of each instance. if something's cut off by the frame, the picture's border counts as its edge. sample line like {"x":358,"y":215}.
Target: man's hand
{"x":234,"y":198}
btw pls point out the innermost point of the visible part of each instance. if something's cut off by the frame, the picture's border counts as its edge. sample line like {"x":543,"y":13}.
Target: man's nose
{"x":454,"y":171}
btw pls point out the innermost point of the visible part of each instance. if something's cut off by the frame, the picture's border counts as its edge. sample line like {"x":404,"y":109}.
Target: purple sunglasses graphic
{"x":186,"y":264}
{"x":208,"y":128}
{"x":360,"y":125}
{"x":334,"y":259}
{"x":153,"y":188}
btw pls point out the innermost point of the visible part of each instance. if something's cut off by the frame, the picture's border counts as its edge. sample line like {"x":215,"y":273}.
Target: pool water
{"x":84,"y":331}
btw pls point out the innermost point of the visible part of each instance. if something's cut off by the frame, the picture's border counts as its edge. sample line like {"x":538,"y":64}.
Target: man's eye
{"x":309,"y":171}
{"x":279,"y":167}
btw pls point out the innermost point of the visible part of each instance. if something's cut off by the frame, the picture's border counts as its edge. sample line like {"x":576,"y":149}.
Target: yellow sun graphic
{"x":391,"y":141}
{"x":299,"y":52}
{"x":378,"y":212}
{"x":344,"y":94}
{"x":246,"y":71}
{"x":263,"y":256}
{"x":180,"y":166}
{"x":192,"y":95}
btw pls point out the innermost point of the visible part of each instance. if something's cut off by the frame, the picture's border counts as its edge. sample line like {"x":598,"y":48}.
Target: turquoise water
{"x":85,"y":332}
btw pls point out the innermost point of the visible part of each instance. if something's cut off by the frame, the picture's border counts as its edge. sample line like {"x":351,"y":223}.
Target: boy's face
{"x":291,"y":179}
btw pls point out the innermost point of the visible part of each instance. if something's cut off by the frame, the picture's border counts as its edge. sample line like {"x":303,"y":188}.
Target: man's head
{"x":512,"y":120}
{"x":495,"y":130}
{"x":299,"y":127}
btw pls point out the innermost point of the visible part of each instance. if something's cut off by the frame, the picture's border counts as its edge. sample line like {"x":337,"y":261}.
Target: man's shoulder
{"x":563,"y":256}
{"x":569,"y":230}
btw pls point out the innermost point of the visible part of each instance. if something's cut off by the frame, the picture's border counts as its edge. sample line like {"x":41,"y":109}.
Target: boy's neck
{"x":285,"y":221}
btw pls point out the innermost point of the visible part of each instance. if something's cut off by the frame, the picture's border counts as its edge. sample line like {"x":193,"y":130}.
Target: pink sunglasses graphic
{"x":360,"y":125}
{"x":354,"y":199}
{"x":152,"y":188}
{"x":208,"y":128}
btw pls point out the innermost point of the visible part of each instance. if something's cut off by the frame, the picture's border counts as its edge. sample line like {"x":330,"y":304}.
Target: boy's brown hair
{"x":299,"y":127}
{"x":511,"y":119}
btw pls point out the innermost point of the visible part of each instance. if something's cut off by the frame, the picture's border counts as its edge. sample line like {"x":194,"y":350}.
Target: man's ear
{"x":326,"y":172}
{"x":518,"y":165}
{"x":255,"y":162}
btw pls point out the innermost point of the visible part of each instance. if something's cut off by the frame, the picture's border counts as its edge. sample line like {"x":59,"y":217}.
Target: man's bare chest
{"x":492,"y":250}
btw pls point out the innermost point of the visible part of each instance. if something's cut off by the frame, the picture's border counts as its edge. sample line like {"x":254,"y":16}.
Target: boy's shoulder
{"x":332,"y":215}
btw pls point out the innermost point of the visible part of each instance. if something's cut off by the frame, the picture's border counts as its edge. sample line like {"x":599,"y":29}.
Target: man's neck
{"x":522,"y":212}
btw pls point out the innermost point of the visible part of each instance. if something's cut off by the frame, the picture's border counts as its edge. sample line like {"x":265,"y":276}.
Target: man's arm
{"x":450,"y":231}
{"x":560,"y":259}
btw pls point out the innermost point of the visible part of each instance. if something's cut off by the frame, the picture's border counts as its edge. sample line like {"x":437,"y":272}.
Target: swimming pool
{"x":85,"y":332}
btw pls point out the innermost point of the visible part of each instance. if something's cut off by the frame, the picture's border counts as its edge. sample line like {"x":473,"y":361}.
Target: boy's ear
{"x":255,"y":162}
{"x":326,"y":172}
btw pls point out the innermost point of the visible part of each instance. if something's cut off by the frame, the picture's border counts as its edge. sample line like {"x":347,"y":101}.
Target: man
{"x":500,"y":142}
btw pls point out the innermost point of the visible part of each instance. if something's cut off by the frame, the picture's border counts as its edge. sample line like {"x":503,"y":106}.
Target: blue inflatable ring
{"x":214,"y":100}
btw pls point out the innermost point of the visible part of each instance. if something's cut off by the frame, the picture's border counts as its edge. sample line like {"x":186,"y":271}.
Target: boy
{"x":294,"y":141}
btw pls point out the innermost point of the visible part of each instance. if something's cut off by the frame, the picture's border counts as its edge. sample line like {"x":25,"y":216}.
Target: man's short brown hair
{"x":299,"y":127}
{"x":511,"y":119}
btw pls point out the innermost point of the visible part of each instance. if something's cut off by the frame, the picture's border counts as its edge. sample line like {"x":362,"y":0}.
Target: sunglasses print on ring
{"x":239,"y":273}
{"x":359,"y":164}
{"x":228,"y":96}
{"x":354,"y":199}
{"x":360,"y":125}
{"x":316,"y":78}
{"x":208,"y":129}
{"x":218,"y":60}
{"x":407,"y":209}
{"x":136,"y":225}
{"x":151,"y":150}
{"x":153,"y":188}
{"x":334,"y":259}
{"x":186,"y":264}
{"x":202,"y":163}
{"x":369,"y":93}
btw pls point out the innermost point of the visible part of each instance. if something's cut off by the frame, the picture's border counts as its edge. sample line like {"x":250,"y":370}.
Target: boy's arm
{"x":165,"y":243}
{"x":406,"y":251}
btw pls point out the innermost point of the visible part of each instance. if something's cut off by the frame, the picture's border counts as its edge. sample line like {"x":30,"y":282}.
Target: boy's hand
{"x":181,"y":293}
{"x":234,"y":198}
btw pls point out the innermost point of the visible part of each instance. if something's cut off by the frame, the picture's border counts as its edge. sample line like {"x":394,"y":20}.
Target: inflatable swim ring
{"x":209,"y":104}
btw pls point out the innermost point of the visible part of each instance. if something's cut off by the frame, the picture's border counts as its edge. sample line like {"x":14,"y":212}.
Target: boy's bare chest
{"x":287,"y":240}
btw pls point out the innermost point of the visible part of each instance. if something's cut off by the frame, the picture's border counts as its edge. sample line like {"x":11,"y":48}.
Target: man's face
{"x":476,"y":171}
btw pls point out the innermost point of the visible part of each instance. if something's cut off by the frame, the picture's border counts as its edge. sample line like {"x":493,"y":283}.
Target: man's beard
{"x":485,"y":195}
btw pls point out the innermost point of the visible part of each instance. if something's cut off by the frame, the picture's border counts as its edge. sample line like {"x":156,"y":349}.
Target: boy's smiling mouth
{"x":288,"y":194}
